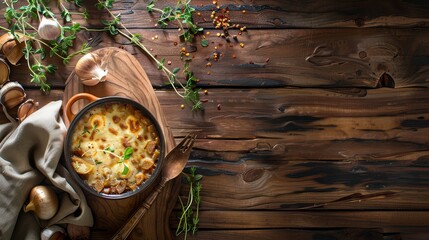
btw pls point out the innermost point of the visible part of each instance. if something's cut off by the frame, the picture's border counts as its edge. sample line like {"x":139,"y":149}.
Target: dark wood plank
{"x":298,"y":14}
{"x":272,"y":58}
{"x":318,"y":234}
{"x":300,"y":115}
{"x":263,"y":181}
{"x":386,"y":220}
{"x":302,"y":234}
{"x":277,"y":13}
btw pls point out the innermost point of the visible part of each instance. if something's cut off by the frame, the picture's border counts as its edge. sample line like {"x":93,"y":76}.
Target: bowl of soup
{"x":114,"y":146}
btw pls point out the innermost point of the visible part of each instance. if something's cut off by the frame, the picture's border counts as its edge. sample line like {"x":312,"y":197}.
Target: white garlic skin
{"x":49,"y":29}
{"x":89,"y":70}
{"x":43,"y":202}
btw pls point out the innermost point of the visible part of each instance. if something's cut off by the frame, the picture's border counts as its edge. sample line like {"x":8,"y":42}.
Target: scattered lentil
{"x":182,"y":106}
{"x":169,"y":62}
{"x":242,"y":45}
{"x":218,"y":106}
{"x":206,"y":92}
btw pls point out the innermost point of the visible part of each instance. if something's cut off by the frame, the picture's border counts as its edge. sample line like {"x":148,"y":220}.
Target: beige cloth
{"x":29,"y":155}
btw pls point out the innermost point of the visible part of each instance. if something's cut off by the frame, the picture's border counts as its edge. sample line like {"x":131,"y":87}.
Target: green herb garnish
{"x":125,"y":171}
{"x":109,"y":149}
{"x":85,"y":130}
{"x":189,"y":217}
{"x":127,"y":153}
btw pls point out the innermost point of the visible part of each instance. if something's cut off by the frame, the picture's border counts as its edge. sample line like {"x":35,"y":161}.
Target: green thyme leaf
{"x":125,"y":171}
{"x":109,"y":149}
{"x":176,"y":70}
{"x":85,"y":130}
{"x":150,"y":6}
{"x":127,"y":153}
{"x":204,"y":43}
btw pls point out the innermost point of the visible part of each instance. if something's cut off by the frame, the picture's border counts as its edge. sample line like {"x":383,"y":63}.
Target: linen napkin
{"x":30,"y":155}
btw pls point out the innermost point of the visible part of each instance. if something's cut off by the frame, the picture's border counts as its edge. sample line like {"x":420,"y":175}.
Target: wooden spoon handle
{"x":129,"y":225}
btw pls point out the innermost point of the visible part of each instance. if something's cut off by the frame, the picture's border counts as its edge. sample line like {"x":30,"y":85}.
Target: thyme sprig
{"x":181,"y":14}
{"x":189,"y":217}
{"x":114,"y":26}
{"x":20,"y":26}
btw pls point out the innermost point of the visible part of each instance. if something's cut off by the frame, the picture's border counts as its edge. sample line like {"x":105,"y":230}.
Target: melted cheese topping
{"x":114,"y":148}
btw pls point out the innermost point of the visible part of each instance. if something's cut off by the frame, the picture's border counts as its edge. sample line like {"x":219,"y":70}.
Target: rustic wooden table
{"x":316,"y":129}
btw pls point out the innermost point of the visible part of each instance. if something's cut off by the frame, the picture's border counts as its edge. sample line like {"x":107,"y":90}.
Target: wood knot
{"x":386,"y":81}
{"x":359,"y":22}
{"x":363,"y":54}
{"x":253,"y":174}
{"x":323,"y":56}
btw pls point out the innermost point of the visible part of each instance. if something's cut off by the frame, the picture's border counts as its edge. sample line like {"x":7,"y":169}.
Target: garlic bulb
{"x":53,"y":232}
{"x":43,"y":202}
{"x":89,"y":70}
{"x":49,"y":29}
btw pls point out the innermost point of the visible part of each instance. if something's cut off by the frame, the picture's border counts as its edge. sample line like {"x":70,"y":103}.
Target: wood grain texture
{"x":323,"y":58}
{"x":276,"y":13}
{"x":127,"y":78}
{"x":387,"y":220}
{"x":316,"y":130}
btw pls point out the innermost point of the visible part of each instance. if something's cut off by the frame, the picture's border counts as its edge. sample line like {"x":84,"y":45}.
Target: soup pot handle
{"x":69,"y":113}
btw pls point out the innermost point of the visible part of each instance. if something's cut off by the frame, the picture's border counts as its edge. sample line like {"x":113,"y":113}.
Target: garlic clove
{"x":12,"y":94}
{"x":43,"y":202}
{"x":26,"y":109}
{"x":4,"y":71}
{"x":49,"y":29}
{"x":89,"y":70}
{"x":5,"y":38}
{"x":53,"y":232}
{"x":13,"y":48}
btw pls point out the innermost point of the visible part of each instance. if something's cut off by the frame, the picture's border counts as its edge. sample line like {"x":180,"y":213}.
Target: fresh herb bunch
{"x":189,"y":217}
{"x":20,"y":26}
{"x":181,"y":14}
{"x":115,"y":26}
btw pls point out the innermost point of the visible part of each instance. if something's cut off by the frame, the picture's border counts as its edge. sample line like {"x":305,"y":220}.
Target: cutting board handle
{"x":69,"y":113}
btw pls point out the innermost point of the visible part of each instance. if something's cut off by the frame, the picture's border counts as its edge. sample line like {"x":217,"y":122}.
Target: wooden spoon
{"x":175,"y":163}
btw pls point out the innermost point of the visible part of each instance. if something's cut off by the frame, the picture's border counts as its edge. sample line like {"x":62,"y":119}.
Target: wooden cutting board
{"x":127,"y":78}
